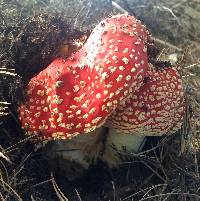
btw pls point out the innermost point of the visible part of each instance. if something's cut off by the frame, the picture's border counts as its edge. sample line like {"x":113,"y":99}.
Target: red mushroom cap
{"x":157,"y":108}
{"x":77,"y":95}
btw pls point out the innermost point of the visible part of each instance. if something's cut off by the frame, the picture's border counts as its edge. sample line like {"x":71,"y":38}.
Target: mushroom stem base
{"x":72,"y":157}
{"x":119,"y":146}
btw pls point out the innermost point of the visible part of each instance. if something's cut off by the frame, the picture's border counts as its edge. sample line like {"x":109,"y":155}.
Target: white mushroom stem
{"x":72,"y":157}
{"x":119,"y":146}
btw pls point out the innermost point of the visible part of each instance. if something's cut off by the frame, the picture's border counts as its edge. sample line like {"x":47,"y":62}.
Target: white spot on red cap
{"x":128,"y":77}
{"x":125,"y":60}
{"x":125,"y":51}
{"x":104,"y":75}
{"x":119,"y":78}
{"x":121,"y":68}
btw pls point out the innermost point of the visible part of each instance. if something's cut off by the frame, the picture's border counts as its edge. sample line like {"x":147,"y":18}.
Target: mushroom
{"x":75,"y":96}
{"x":155,"y":109}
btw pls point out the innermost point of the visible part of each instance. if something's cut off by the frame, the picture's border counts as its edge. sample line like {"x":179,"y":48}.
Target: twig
{"x":1,"y":197}
{"x":189,"y":74}
{"x":15,"y":146}
{"x":167,"y":44}
{"x":4,"y":172}
{"x":169,"y":10}
{"x":162,"y":52}
{"x":152,"y":188}
{"x":194,"y":177}
{"x":154,"y":171}
{"x":78,"y":195}
{"x":5,"y":103}
{"x":20,"y":167}
{"x":116,"y":5}
{"x":192,"y":65}
{"x":8,"y":73}
{"x":9,"y":189}
{"x":38,"y":184}
{"x":5,"y":157}
{"x":146,"y":189}
{"x":196,"y":165}
{"x":114,"y":191}
{"x":59,"y":193}
{"x":160,"y":162}
{"x":32,"y":198}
